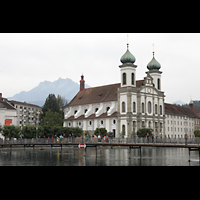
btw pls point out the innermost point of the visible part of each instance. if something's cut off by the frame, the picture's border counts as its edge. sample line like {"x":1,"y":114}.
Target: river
{"x":69,"y":156}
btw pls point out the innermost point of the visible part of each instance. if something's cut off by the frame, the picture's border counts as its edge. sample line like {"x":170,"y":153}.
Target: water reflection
{"x":150,"y":156}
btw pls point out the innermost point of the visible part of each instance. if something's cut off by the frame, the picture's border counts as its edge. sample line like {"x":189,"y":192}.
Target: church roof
{"x":98,"y":94}
{"x":153,"y":65}
{"x":95,"y":95}
{"x":128,"y":57}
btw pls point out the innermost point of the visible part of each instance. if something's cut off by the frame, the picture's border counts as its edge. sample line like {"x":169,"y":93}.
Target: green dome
{"x":153,"y":65}
{"x":127,"y":57}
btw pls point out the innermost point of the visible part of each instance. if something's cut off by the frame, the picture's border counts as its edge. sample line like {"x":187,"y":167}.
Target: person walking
{"x":152,"y":136}
{"x":147,"y":136}
{"x":99,"y":138}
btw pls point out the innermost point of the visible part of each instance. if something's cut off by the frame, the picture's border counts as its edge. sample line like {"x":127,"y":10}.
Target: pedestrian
{"x":69,"y":137}
{"x":72,"y":137}
{"x":147,"y":138}
{"x":152,"y":136}
{"x":52,"y":139}
{"x":111,"y":137}
{"x":99,"y":138}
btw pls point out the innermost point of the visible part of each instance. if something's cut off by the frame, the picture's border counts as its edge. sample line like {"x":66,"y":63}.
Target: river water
{"x":69,"y":156}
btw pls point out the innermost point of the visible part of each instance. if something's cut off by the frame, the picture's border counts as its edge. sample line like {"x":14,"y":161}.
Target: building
{"x":27,"y":114}
{"x":129,"y":105}
{"x":181,"y":120}
{"x":8,"y":114}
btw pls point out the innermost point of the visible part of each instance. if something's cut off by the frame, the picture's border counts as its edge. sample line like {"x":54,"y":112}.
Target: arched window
{"x":123,"y":129}
{"x":158,"y":84}
{"x":134,"y":107}
{"x":156,"y":109}
{"x":149,"y":107}
{"x":142,"y":107}
{"x":123,"y":107}
{"x":132,"y":78}
{"x":124,"y":78}
{"x":160,"y":110}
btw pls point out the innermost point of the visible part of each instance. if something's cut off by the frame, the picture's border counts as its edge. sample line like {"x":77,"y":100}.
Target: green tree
{"x":52,"y":119}
{"x":143,"y":132}
{"x":197,"y":133}
{"x":11,"y":131}
{"x":29,"y":131}
{"x":51,"y":103}
{"x":101,"y":131}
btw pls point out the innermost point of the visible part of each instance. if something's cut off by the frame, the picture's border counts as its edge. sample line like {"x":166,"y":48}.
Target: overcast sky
{"x":26,"y":59}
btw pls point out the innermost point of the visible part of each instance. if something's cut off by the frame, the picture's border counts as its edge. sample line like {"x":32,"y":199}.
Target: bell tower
{"x":128,"y":69}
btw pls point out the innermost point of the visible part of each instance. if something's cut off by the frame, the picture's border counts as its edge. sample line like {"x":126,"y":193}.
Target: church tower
{"x":153,"y":67}
{"x":127,"y":93}
{"x":128,"y":69}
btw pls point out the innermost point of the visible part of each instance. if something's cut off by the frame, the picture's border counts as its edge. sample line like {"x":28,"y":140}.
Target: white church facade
{"x":127,"y":106}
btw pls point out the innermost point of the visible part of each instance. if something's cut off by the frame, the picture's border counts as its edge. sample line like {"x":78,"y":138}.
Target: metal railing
{"x":134,"y":140}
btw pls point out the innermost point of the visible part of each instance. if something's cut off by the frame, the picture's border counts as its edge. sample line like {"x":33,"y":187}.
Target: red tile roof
{"x":95,"y":95}
{"x":179,"y":110}
{"x":98,"y":94}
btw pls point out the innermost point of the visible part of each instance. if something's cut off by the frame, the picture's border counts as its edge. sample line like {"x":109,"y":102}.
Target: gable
{"x":149,"y":90}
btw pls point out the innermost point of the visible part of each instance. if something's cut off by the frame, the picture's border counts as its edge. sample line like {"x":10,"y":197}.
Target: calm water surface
{"x":150,"y":156}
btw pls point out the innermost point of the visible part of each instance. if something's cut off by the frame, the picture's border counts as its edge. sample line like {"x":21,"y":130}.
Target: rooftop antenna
{"x":127,"y":40}
{"x":153,"y":49}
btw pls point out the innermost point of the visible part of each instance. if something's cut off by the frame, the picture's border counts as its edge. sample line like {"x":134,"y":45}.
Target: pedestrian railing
{"x":134,"y":140}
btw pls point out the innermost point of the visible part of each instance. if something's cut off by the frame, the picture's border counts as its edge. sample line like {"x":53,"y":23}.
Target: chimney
{"x":82,"y":83}
{"x":191,"y":105}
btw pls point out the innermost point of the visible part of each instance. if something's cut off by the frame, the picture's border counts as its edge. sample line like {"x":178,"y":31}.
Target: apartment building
{"x":27,"y":114}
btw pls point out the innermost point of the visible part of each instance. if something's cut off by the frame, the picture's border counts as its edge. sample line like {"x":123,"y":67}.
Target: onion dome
{"x":153,"y":65}
{"x":128,"y":57}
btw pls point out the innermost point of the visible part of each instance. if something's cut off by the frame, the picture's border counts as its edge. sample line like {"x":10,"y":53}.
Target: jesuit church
{"x":129,"y":105}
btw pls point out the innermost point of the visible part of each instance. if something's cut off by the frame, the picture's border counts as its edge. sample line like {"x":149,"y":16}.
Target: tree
{"x":52,"y":119}
{"x":51,"y":103}
{"x":143,"y":132}
{"x":11,"y":131}
{"x":101,"y":131}
{"x":61,"y":102}
{"x":197,"y":133}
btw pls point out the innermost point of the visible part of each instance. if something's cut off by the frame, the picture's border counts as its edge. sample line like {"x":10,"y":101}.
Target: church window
{"x":124,"y":78}
{"x":102,"y":122}
{"x":149,"y":107}
{"x":85,"y":110}
{"x":123,"y":107}
{"x":149,"y":124}
{"x":160,"y":110}
{"x":158,"y":84}
{"x":75,"y":111}
{"x":114,"y":121}
{"x":134,"y":107}
{"x":123,"y":129}
{"x":133,"y":78}
{"x":96,"y":109}
{"x":107,"y":109}
{"x":156,"y":109}
{"x":142,"y":107}
{"x":90,"y":123}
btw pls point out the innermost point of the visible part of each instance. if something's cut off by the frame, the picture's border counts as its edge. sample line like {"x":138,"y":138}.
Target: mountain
{"x":64,"y":87}
{"x":179,"y":102}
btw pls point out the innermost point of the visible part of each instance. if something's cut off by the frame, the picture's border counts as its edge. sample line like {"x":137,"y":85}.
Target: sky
{"x":26,"y":59}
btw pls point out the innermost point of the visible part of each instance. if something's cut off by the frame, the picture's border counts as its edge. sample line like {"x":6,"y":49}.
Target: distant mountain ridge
{"x":64,"y":87}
